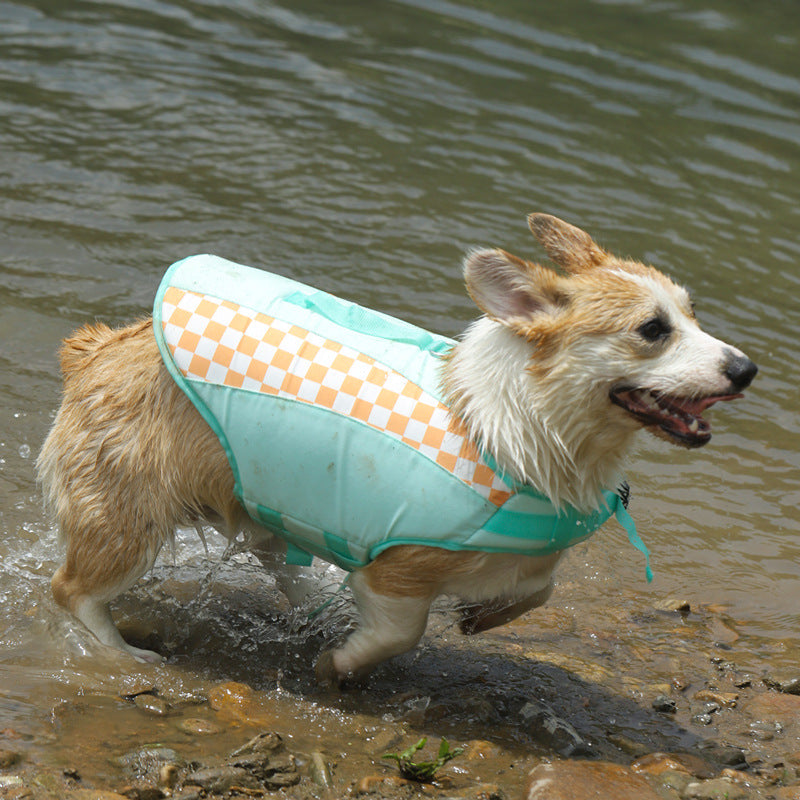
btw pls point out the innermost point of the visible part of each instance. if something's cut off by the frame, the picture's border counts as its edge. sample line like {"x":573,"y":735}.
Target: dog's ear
{"x":507,"y":288}
{"x":570,"y":247}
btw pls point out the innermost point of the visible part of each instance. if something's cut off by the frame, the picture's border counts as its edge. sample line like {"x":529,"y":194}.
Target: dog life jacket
{"x":334,"y":423}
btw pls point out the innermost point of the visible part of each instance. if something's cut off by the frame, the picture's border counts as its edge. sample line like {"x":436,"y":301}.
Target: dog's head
{"x":613,"y":337}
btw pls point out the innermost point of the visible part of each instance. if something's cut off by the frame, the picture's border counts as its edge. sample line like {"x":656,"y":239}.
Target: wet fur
{"x":129,"y":458}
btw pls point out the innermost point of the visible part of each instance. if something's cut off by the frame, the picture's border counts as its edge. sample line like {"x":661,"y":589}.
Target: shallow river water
{"x":363,"y":147}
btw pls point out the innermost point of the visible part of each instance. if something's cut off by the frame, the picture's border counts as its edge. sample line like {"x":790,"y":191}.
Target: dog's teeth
{"x":694,"y":426}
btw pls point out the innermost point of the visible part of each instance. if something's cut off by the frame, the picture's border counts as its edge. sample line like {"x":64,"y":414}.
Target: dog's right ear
{"x":508,"y":289}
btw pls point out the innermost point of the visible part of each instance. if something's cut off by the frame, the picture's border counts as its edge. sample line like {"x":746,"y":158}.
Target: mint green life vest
{"x":335,"y":427}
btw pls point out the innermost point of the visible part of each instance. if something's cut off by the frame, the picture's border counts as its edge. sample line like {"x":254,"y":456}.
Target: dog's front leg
{"x":389,"y":625}
{"x":478,"y":617}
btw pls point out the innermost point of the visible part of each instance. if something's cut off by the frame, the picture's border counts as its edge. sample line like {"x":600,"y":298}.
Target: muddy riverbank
{"x":631,"y":700}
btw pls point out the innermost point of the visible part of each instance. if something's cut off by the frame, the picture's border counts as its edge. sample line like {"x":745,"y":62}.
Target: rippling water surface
{"x":363,"y":147}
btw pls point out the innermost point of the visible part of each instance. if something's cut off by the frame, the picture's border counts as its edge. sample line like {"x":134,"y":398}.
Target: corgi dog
{"x":546,"y":391}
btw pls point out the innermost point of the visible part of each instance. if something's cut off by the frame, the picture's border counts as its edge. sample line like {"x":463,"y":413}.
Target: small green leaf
{"x":423,"y":771}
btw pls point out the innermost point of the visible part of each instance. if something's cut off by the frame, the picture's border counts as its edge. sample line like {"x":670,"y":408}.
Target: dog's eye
{"x":654,"y":329}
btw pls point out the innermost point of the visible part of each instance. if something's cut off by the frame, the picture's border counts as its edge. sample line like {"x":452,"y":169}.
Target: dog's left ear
{"x":509,"y":289}
{"x":570,"y":247}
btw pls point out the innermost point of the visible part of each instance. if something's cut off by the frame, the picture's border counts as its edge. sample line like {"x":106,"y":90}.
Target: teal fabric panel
{"x":338,"y":475}
{"x":412,"y":351}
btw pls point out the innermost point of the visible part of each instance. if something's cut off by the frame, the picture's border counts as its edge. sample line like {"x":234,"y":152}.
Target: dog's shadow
{"x":450,"y":685}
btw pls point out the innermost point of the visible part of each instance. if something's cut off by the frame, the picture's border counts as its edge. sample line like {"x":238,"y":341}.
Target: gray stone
{"x":785,"y":685}
{"x":148,"y":760}
{"x":222,"y":779}
{"x":320,"y":771}
{"x":266,"y":742}
{"x":664,"y":704}
{"x":552,"y":731}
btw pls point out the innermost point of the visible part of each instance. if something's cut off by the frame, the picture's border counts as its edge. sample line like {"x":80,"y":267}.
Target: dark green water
{"x":363,"y":147}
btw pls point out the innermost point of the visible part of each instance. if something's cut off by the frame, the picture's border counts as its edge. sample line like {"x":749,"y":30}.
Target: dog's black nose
{"x":740,"y":370}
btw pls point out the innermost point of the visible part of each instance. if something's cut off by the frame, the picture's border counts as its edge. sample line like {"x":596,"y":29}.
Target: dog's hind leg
{"x":93,"y":576}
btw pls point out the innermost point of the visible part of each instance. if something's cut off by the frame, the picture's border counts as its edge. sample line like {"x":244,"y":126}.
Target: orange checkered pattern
{"x":224,"y":343}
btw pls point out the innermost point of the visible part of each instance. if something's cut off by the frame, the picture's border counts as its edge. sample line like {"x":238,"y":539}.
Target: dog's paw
{"x":145,"y":656}
{"x":326,"y":673}
{"x":329,"y":677}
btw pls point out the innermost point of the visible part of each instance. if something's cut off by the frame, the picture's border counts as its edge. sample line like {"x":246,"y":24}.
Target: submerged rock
{"x":658,"y":763}
{"x":552,"y":731}
{"x":773,"y":707}
{"x":151,"y":704}
{"x":664,"y":704}
{"x":783,"y":684}
{"x":267,"y":742}
{"x":222,"y":779}
{"x":320,"y":771}
{"x":196,"y":726}
{"x":715,"y":789}
{"x":147,"y":761}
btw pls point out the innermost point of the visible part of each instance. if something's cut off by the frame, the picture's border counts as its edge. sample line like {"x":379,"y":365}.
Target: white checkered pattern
{"x":221,"y":342}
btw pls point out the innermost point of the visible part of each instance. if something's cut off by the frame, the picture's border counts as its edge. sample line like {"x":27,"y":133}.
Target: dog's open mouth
{"x":678,"y":417}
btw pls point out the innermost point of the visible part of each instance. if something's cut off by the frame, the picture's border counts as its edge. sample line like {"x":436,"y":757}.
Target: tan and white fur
{"x":554,"y":382}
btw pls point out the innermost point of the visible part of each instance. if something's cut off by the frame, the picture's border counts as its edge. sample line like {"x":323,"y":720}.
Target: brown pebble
{"x":238,"y":702}
{"x":195,"y":726}
{"x":151,"y":704}
{"x":567,"y":780}
{"x":656,"y":763}
{"x":736,"y":776}
{"x":680,"y":683}
{"x":723,"y":699}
